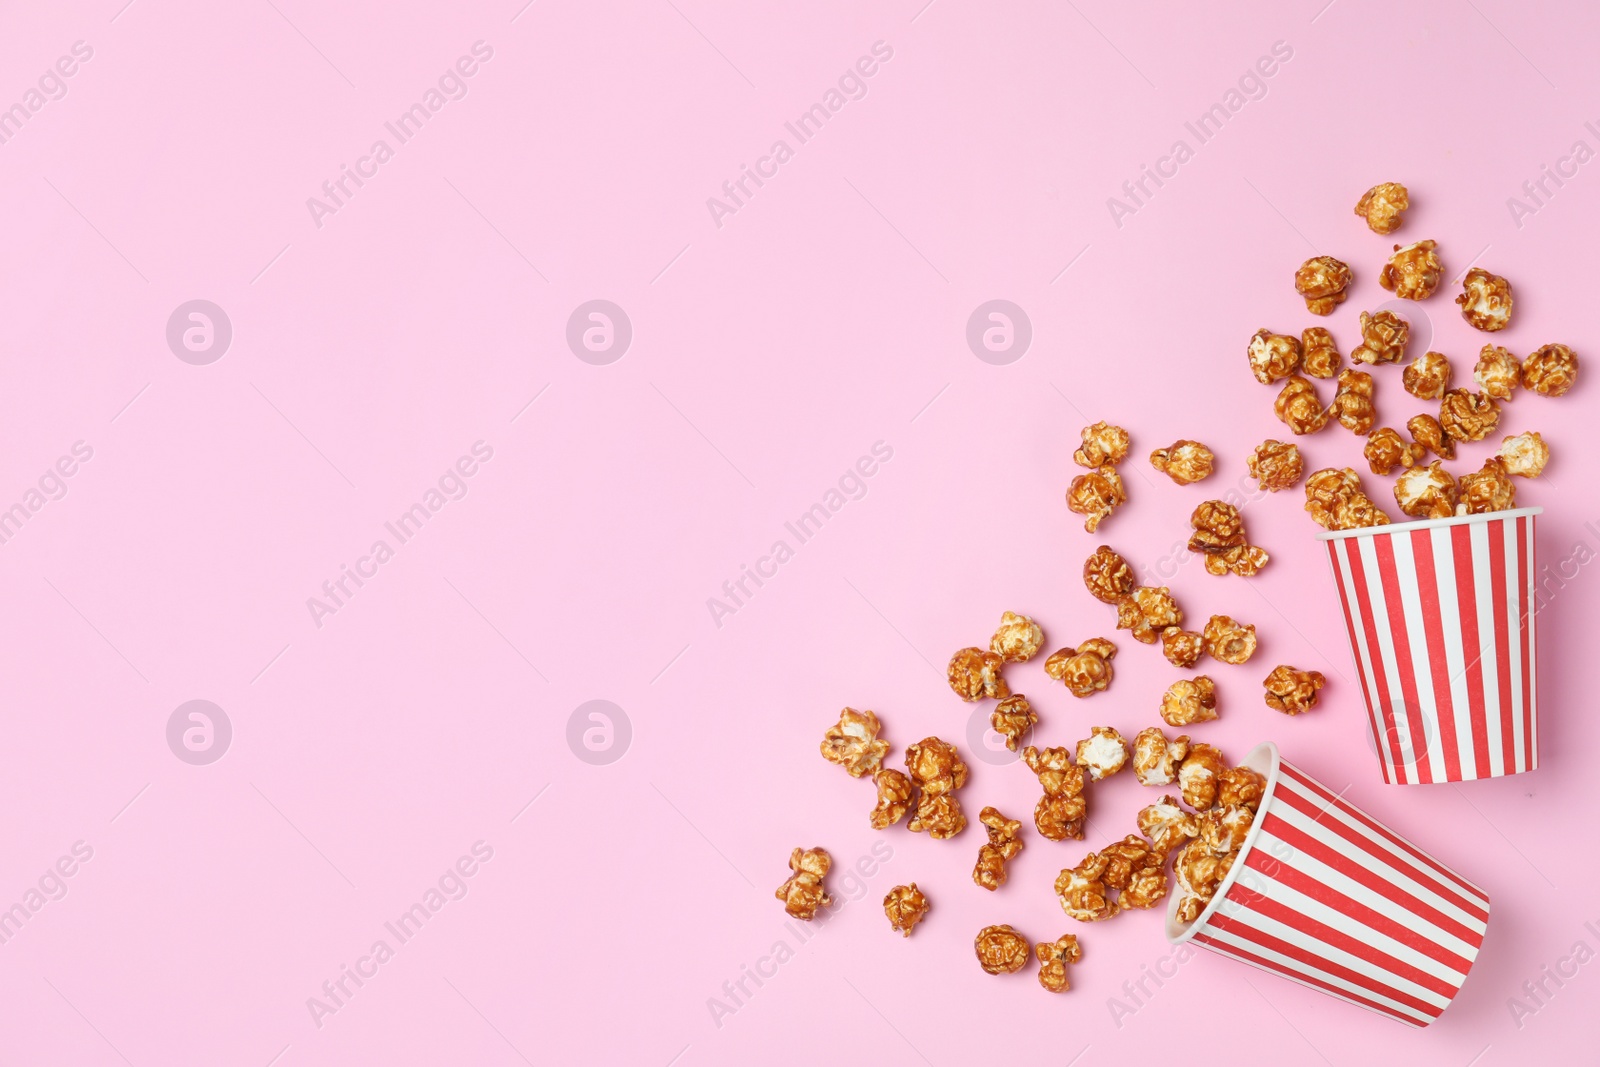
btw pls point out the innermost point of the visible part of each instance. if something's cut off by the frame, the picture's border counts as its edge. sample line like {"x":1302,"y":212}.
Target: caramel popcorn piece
{"x":1223,"y":829}
{"x":1103,"y":753}
{"x":1053,"y":959}
{"x":1001,"y":950}
{"x":1427,"y":376}
{"x":1086,"y":670}
{"x":974,"y":674}
{"x":1498,"y":372}
{"x":1322,"y":281}
{"x":1084,"y":897}
{"x":1292,"y":691}
{"x":1384,"y":337}
{"x":1551,"y":370}
{"x":1136,"y":870}
{"x":1353,"y":403}
{"x":1018,"y":638}
{"x":1184,"y":461}
{"x":1107,"y":576}
{"x":1525,"y":454}
{"x":936,"y":766}
{"x":1426,"y":492}
{"x":1489,"y":489}
{"x":1061,"y":812}
{"x":1096,"y":495}
{"x":1273,"y":356}
{"x":1012,"y":718}
{"x":906,"y":907}
{"x":894,"y":798}
{"x":1426,"y":431}
{"x":1199,"y":776}
{"x":1386,"y":450}
{"x":1188,"y":701}
{"x":1336,"y":501}
{"x":1468,"y":416}
{"x":1276,"y":465}
{"x":1240,"y":787}
{"x":1199,"y":875}
{"x":1485,"y":300}
{"x":1229,"y":641}
{"x":853,"y":743}
{"x":1244,"y":560}
{"x":1103,"y":445}
{"x":1003,"y":844}
{"x":1299,"y":408}
{"x":1413,"y":272}
{"x":1182,"y":648}
{"x":1155,"y":759}
{"x":938,"y":815}
{"x":1218,"y":526}
{"x":1320,"y":354}
{"x":1147,"y":611}
{"x":1382,"y":206}
{"x":1167,"y":825}
{"x":804,"y":893}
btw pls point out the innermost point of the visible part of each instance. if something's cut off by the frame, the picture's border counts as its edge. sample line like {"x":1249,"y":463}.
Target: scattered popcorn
{"x":1498,"y":372}
{"x":1336,"y":501}
{"x":1167,"y":825}
{"x":1426,"y":492}
{"x":1485,"y":300}
{"x":1012,"y":719}
{"x":1229,"y":641}
{"x":1244,"y":560}
{"x":1382,"y":206}
{"x":1352,"y":403}
{"x":1322,"y":281}
{"x":1468,"y":416}
{"x":1218,"y":526}
{"x":1276,"y":465}
{"x":1184,"y":461}
{"x":1384,"y":337}
{"x":1292,"y":691}
{"x":1427,"y":376}
{"x":1053,"y":959}
{"x":1240,"y":787}
{"x":1086,"y":670}
{"x":1001,"y":950}
{"x":936,"y":766}
{"x":1129,"y":866}
{"x":1525,"y":454}
{"x":804,"y":892}
{"x":1103,"y":445}
{"x":1107,"y":576}
{"x":1199,"y":875}
{"x":1551,"y":370}
{"x":1299,"y":408}
{"x":1103,"y":753}
{"x":1413,"y":272}
{"x":1223,"y":829}
{"x":1188,"y":701}
{"x":938,"y":815}
{"x":1003,"y":844}
{"x":906,"y":907}
{"x":894,"y":798}
{"x":1061,"y":812}
{"x":1273,"y":356}
{"x":1155,"y":759}
{"x":1319,"y":353}
{"x":1096,"y":495}
{"x":853,"y":743}
{"x":1147,"y":611}
{"x":1386,"y":450}
{"x":1183,"y":648}
{"x":1084,"y":897}
{"x":1426,"y":431}
{"x":1018,"y":638}
{"x":1488,"y":489}
{"x":1198,"y":776}
{"x":975,"y":674}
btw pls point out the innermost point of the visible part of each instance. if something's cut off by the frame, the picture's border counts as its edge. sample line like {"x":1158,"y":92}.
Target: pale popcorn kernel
{"x":1053,"y":959}
{"x":1003,"y":844}
{"x":1384,"y":337}
{"x":1427,"y":376}
{"x":1198,"y":776}
{"x":1155,"y":759}
{"x":1001,"y":950}
{"x":1276,"y":465}
{"x":1498,"y":372}
{"x":1292,"y":691}
{"x":1320,"y":358}
{"x":1189,"y":701}
{"x":1413,"y":272}
{"x":853,"y":743}
{"x":1103,"y":753}
{"x":1468,"y":416}
{"x":1322,"y":281}
{"x":1061,"y":812}
{"x":1184,"y":462}
{"x":803,"y":893}
{"x":1167,"y":825}
{"x":1228,"y":640}
{"x":894,"y":798}
{"x":1382,"y":206}
{"x":1096,"y":495}
{"x":1272,"y":355}
{"x":1299,"y":408}
{"x":1485,"y":300}
{"x":1103,"y":444}
{"x":974,"y":674}
{"x":906,"y":907}
{"x":1525,"y":454}
{"x":1426,"y":492}
{"x":1018,"y":639}
{"x":1551,"y":370}
{"x":1489,"y":489}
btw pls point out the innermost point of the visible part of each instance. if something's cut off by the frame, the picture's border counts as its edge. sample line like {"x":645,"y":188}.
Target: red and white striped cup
{"x":1441,"y":621}
{"x":1325,"y":895}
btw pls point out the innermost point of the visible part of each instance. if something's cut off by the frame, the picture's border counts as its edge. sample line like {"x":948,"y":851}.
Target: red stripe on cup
{"x":1429,"y":1010}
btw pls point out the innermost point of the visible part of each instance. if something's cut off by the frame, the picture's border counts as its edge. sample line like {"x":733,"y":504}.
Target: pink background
{"x":768,"y":354}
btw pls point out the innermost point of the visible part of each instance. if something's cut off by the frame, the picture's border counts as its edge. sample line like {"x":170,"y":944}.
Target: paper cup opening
{"x":1427,"y":524}
{"x":1263,"y":759}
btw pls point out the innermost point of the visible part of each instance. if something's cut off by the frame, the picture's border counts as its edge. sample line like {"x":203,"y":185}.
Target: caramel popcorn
{"x":1485,"y":300}
{"x":1103,"y":445}
{"x":1299,"y":408}
{"x":1413,"y":272}
{"x":1155,"y":759}
{"x":1182,"y":648}
{"x":1012,"y":718}
{"x":936,"y":766}
{"x":1336,"y":501}
{"x":1384,"y":337}
{"x":1003,"y":844}
{"x":804,"y":893}
{"x":1426,"y":431}
{"x":1382,"y":205}
{"x":1183,"y":461}
{"x":1386,"y":450}
{"x":1086,"y":670}
{"x":1018,"y":638}
{"x":1551,"y":370}
{"x":1426,"y":492}
{"x":1061,"y":812}
{"x":1229,"y":641}
{"x":975,"y":674}
{"x":1322,"y":281}
{"x":1244,"y":560}
{"x":1223,"y":829}
{"x":1107,"y":576}
{"x":1001,"y":950}
{"x":1053,"y":959}
{"x":1525,"y":454}
{"x":1103,"y":753}
{"x":1218,"y":526}
{"x":1276,"y":465}
{"x":1352,"y":403}
{"x":1084,"y":897}
{"x":853,"y":743}
{"x":1240,"y":787}
{"x":1489,"y":489}
{"x":1468,"y":416}
{"x":938,"y":815}
{"x":1129,"y":866}
{"x":1189,"y":701}
{"x":1320,"y":354}
{"x":1167,"y":825}
{"x":906,"y":907}
{"x":1498,"y":372}
{"x":1096,"y":495}
{"x":1199,"y":875}
{"x":894,"y":798}
{"x":1292,"y":691}
{"x":1272,"y":356}
{"x":1427,"y":376}
{"x":1198,"y":776}
{"x":1147,"y":611}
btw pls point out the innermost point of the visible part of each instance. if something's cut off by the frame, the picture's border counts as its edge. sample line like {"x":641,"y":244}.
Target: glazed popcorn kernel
{"x":975,"y":674}
{"x":1199,"y":776}
{"x":1498,"y":372}
{"x":1167,"y":825}
{"x":1488,"y":489}
{"x":1096,"y":495}
{"x":1427,"y":376}
{"x":1299,"y":408}
{"x":1001,"y":950}
{"x":1322,"y":281}
{"x":1320,"y":356}
{"x":1134,"y":868}
{"x":1276,"y":465}
{"x":1085,"y":670}
{"x":1199,"y":874}
{"x":894,"y":798}
{"x":1468,"y":416}
{"x":1012,"y":718}
{"x":1053,"y":959}
{"x":1292,"y":691}
{"x":1103,"y":753}
{"x":1103,"y":445}
{"x":1382,"y":206}
{"x":1223,"y":829}
{"x":1551,"y":370}
{"x":1003,"y":844}
{"x":1426,"y":492}
{"x":938,"y":815}
{"x":1485,"y":300}
{"x":1386,"y":450}
{"x":804,"y":893}
{"x":1229,"y":641}
{"x":1426,"y":431}
{"x":1240,"y":787}
{"x":1244,"y":560}
{"x":1184,"y":461}
{"x":853,"y":743}
{"x":1525,"y":454}
{"x":936,"y":766}
{"x":1413,"y":272}
{"x":1188,"y":701}
{"x":1217,"y":525}
{"x":1384,"y":337}
{"x":1018,"y":638}
{"x":1352,"y":404}
{"x":1107,"y":576}
{"x":1155,"y":759}
{"x":1060,"y":813}
{"x":1183,"y":648}
{"x":1272,"y":356}
{"x":1336,"y":501}
{"x":1147,"y":611}
{"x":906,"y":907}
{"x":1084,"y":896}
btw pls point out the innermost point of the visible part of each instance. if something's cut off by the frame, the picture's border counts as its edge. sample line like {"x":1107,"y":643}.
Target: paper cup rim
{"x":1266,"y":753}
{"x":1427,"y":524}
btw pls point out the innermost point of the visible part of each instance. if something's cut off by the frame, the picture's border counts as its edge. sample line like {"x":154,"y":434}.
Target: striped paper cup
{"x":1325,"y":895}
{"x":1441,"y":621}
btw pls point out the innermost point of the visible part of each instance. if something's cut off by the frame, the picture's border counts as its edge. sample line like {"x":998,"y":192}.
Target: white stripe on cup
{"x":1514,"y":601}
{"x":1455,"y":654}
{"x":1488,"y":659}
{"x":1406,"y":770}
{"x":1431,"y":743}
{"x":1358,"y":644}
